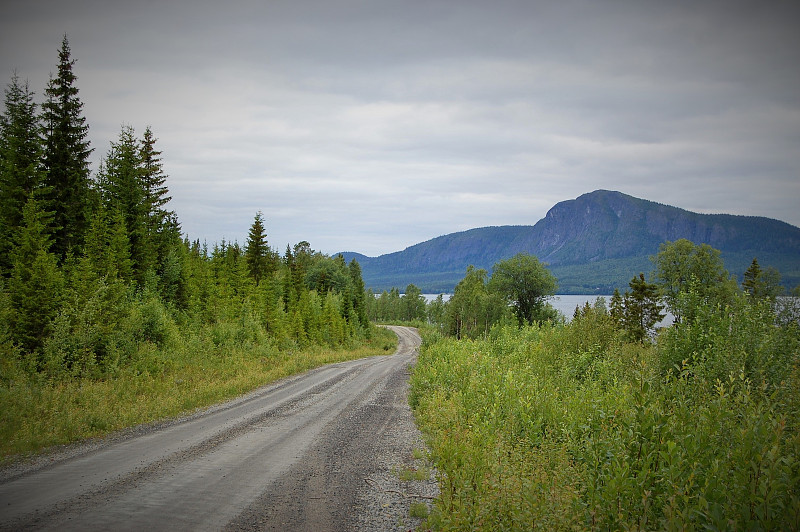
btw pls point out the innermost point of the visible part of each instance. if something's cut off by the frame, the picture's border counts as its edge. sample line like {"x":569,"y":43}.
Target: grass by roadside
{"x":36,"y":413}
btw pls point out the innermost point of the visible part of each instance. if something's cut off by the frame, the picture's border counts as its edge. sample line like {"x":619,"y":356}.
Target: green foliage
{"x":325,"y":275}
{"x":121,"y":186}
{"x":641,"y":309}
{"x":107,"y":248}
{"x":570,"y":427}
{"x":525,"y":283}
{"x":521,"y":285}
{"x":35,"y":283}
{"x":20,"y":163}
{"x":102,"y":290}
{"x":132,"y":187}
{"x":66,"y":157}
{"x":436,"y":310}
{"x":358,"y":296}
{"x":261,"y":261}
{"x":473,"y":309}
{"x":760,"y":283}
{"x":681,"y":263}
{"x":413,"y":304}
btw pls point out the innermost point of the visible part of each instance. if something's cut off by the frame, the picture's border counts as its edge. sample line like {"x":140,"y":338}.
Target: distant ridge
{"x":593,"y":244}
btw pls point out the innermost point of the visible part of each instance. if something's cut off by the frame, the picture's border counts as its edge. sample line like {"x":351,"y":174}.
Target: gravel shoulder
{"x":321,"y":451}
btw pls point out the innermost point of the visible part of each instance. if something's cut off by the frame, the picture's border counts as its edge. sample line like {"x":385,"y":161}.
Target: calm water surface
{"x":564,"y":303}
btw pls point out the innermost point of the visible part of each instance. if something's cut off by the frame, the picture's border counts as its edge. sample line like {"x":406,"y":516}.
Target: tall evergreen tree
{"x":257,"y":251}
{"x":66,"y":156}
{"x":161,"y":223}
{"x":359,"y":296}
{"x":20,"y":162}
{"x":122,"y":189}
{"x":153,"y":177}
{"x":289,"y":291}
{"x":752,"y":279}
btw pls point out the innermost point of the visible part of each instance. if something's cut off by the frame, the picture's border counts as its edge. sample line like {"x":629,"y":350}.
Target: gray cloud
{"x":370,"y":126}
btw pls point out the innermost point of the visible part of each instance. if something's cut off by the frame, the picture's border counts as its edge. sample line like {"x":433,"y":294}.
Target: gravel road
{"x":319,"y":451}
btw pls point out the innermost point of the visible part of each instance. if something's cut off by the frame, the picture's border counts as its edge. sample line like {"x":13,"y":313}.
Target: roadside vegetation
{"x":109,"y":317}
{"x":604,"y":423}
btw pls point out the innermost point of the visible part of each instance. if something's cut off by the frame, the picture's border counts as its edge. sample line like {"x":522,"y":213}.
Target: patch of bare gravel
{"x":394,"y":485}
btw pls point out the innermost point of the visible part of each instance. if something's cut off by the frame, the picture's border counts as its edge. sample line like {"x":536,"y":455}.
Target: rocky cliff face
{"x":610,"y":225}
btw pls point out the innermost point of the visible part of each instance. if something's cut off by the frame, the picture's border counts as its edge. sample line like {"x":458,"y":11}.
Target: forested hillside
{"x":593,"y":244}
{"x":98,"y":286}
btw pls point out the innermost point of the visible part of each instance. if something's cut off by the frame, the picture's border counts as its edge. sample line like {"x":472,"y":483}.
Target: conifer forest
{"x":101,"y":294}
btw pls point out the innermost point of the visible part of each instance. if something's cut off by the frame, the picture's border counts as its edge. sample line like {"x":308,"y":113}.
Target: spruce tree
{"x":20,"y":162}
{"x":35,"y":283}
{"x":617,"y":310}
{"x":762,"y":284}
{"x":257,"y":251}
{"x":358,"y":295}
{"x":121,"y":185}
{"x":153,"y":176}
{"x":107,"y":246}
{"x":289,"y":292}
{"x":642,"y":309}
{"x":161,"y":224}
{"x":752,"y":279}
{"x":66,"y":157}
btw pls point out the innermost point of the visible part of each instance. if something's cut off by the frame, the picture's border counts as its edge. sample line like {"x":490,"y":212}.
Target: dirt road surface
{"x":300,"y":454}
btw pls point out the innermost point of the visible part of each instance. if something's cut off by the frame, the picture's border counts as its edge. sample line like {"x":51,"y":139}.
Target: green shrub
{"x":568,"y":427}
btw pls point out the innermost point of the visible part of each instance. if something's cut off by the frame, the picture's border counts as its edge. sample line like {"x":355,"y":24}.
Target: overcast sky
{"x":370,"y":126}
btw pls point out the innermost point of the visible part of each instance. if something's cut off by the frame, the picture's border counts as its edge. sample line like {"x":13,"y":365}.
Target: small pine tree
{"x":762,"y":284}
{"x":107,"y":246}
{"x":35,"y":283}
{"x":617,"y":310}
{"x":752,"y":279}
{"x":642,"y":309}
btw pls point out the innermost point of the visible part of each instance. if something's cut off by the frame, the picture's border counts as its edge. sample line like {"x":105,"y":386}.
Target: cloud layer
{"x":370,"y":126}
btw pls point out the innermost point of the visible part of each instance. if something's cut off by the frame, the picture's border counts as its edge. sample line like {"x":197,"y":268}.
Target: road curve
{"x":292,"y":455}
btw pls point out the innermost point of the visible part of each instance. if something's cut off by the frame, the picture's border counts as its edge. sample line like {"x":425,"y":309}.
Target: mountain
{"x":593,"y":244}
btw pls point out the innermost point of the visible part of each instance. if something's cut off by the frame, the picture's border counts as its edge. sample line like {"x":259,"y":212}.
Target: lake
{"x":565,"y":304}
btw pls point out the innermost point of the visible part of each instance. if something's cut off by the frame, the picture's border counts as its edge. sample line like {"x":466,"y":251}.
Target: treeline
{"x":94,"y":269}
{"x":517,"y":291}
{"x":519,"y":288}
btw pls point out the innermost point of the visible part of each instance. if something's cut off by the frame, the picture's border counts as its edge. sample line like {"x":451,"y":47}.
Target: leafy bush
{"x":569,"y":427}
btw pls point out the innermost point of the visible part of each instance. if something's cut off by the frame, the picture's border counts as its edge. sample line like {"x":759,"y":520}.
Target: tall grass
{"x":568,"y":427}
